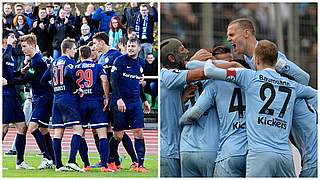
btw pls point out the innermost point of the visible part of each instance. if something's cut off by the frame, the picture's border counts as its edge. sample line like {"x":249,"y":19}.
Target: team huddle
{"x":102,"y":91}
{"x":234,"y":118}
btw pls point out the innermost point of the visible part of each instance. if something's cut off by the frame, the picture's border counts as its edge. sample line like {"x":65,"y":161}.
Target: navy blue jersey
{"x":8,"y":71}
{"x":88,"y":78}
{"x":125,"y":77}
{"x":58,"y":72}
{"x":107,"y":60}
{"x":38,"y":66}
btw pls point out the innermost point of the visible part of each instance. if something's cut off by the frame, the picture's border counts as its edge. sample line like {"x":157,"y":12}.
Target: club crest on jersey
{"x":231,"y":75}
{"x":31,"y":71}
{"x":70,"y":66}
{"x":113,"y":68}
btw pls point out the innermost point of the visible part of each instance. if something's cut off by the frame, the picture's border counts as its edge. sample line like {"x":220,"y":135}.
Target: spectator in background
{"x":50,"y":11}
{"x":104,"y":17}
{"x":129,"y":13}
{"x":144,"y":27}
{"x":18,"y":9}
{"x":7,"y":16}
{"x":20,"y":28}
{"x":115,"y":32}
{"x":151,"y":69}
{"x":67,"y":7}
{"x":87,"y":18}
{"x":20,"y":25}
{"x":60,"y":29}
{"x":86,"y":35}
{"x":40,"y":29}
{"x":29,"y":12}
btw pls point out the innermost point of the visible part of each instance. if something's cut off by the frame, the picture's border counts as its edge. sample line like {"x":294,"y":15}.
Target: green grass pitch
{"x":151,"y":163}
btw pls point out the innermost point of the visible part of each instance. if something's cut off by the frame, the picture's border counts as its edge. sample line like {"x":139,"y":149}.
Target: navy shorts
{"x":42,"y":109}
{"x":91,"y":112}
{"x":131,"y":119}
{"x":12,"y":110}
{"x":65,"y":113}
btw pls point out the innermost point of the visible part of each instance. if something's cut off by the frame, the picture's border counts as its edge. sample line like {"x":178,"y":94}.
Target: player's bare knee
{"x":22,"y":129}
{"x":32,"y":126}
{"x":77,"y":129}
{"x":58,"y":133}
{"x":138,"y":133}
{"x":118,"y":135}
{"x":43,"y":130}
{"x":102,"y":132}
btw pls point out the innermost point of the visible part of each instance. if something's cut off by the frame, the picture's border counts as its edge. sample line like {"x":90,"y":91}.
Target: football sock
{"x":96,"y":141}
{"x":113,"y":149}
{"x":41,"y":143}
{"x":48,"y":140}
{"x":127,"y":143}
{"x":57,"y":152}
{"x":75,"y":144}
{"x":109,"y":135}
{"x":83,"y":151}
{"x":140,"y":149}
{"x":104,"y":150}
{"x":20,"y":145}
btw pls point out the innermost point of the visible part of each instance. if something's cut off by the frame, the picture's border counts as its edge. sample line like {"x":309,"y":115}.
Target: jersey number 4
{"x":87,"y":76}
{"x":240,"y":107}
{"x":265,"y":109}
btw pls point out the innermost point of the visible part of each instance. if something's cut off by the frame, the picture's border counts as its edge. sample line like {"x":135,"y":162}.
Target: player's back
{"x":269,"y":103}
{"x":231,"y":108}
{"x":88,"y":78}
{"x":172,"y":83}
{"x":304,"y":133}
{"x":203,"y":134}
{"x":61,"y":86}
{"x":284,"y":65}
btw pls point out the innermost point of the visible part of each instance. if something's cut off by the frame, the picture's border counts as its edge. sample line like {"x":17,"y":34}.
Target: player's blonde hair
{"x":30,"y":39}
{"x":245,"y":23}
{"x":267,"y":52}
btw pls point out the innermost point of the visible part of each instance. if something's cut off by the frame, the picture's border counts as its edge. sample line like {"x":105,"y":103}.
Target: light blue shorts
{"x":234,"y":166}
{"x":170,"y":167}
{"x":269,"y":164}
{"x":197,"y":164}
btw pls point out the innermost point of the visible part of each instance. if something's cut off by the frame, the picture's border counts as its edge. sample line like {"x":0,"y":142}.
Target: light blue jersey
{"x":230,"y":103}
{"x":269,"y":107}
{"x":304,"y":133}
{"x":284,"y":65}
{"x":203,"y":134}
{"x":172,"y":83}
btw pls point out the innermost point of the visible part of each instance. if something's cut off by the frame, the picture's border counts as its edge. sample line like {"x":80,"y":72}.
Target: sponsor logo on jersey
{"x":275,"y":122}
{"x":113,"y":68}
{"x":31,"y":71}
{"x":238,"y":125}
{"x":131,"y":76}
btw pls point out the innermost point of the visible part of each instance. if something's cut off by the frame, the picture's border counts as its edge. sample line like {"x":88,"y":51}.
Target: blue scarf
{"x":144,"y":27}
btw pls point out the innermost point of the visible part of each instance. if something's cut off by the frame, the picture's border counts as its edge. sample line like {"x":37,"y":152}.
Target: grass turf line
{"x":151,"y":163}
